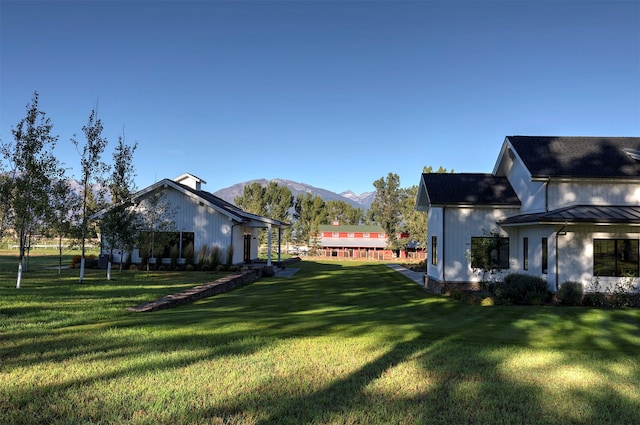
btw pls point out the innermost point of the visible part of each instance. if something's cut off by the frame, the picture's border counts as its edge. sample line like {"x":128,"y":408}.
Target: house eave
{"x":571,"y":179}
{"x":471,"y":205}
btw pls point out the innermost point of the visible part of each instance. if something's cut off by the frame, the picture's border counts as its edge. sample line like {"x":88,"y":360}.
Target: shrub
{"x":570,"y":293}
{"x":487,"y":302}
{"x":204,"y":257}
{"x":594,"y":299}
{"x":214,"y":257}
{"x":88,"y":261}
{"x":521,"y":289}
{"x":230,"y":255}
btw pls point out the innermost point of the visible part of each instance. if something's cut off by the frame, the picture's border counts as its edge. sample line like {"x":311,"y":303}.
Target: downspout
{"x":556,"y":254}
{"x":444,"y":245}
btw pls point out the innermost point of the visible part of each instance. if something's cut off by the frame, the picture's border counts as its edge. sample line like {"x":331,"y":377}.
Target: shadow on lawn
{"x":462,"y":354}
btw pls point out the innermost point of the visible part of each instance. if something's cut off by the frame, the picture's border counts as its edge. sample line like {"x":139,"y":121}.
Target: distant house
{"x":564,"y":208}
{"x":356,"y":241}
{"x":198,"y":218}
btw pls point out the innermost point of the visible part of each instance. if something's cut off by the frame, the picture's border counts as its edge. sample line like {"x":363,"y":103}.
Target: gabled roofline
{"x":180,"y":188}
{"x":508,"y":149}
{"x":422,"y":194}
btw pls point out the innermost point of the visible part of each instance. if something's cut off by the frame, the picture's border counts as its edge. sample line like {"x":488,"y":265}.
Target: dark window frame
{"x":616,"y":257}
{"x":490,"y":252}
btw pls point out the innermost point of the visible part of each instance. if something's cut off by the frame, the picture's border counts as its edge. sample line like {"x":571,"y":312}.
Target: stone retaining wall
{"x":219,"y":286}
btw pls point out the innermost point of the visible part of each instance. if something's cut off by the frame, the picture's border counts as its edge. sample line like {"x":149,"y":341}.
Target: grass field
{"x":338,"y":343}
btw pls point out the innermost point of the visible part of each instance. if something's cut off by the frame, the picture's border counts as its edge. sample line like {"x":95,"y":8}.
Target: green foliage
{"x":386,"y":207}
{"x":93,"y":169}
{"x":76,"y":259}
{"x":594,"y":299}
{"x":310,"y":213}
{"x":413,"y":222}
{"x":214,"y":257}
{"x":229,"y":255}
{"x":570,"y":293}
{"x":252,"y":199}
{"x":32,"y":172}
{"x":204,"y":257}
{"x":519,"y":288}
{"x":120,"y":223}
{"x":343,"y":212}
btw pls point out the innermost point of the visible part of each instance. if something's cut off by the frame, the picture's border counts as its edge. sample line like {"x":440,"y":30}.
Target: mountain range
{"x":363,"y":200}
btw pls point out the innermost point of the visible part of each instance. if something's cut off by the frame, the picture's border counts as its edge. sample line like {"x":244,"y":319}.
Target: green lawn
{"x":342,"y":343}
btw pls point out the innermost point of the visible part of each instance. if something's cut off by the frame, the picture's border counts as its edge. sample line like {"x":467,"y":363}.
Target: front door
{"x":247,"y":249}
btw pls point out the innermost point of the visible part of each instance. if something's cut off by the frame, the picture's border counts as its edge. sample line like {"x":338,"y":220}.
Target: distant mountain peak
{"x":358,"y":201}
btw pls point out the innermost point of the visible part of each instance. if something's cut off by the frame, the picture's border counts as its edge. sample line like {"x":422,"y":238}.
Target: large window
{"x":490,"y":253}
{"x":615,"y":257}
{"x":525,"y":253}
{"x":164,"y":244}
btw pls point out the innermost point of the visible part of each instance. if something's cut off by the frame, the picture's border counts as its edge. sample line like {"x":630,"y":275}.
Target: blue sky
{"x":335,"y":94}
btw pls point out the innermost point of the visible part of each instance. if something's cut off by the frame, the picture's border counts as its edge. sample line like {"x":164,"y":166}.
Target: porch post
{"x":279,"y":242}
{"x":269,"y":247}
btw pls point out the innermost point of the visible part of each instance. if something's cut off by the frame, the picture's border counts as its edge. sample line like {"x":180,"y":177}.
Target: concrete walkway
{"x":417,"y":277}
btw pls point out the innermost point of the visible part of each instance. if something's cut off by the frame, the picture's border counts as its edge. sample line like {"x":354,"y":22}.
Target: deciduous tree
{"x":310,"y":212}
{"x":93,"y":170}
{"x":343,"y":212}
{"x":120,"y":224}
{"x":33,"y":169}
{"x":387,"y":207}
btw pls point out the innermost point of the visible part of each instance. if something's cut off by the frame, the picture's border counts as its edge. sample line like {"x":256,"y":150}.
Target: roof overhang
{"x":601,"y":215}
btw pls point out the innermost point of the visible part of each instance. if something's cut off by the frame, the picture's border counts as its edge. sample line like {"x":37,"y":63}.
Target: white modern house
{"x":563,"y":208}
{"x":199,"y":218}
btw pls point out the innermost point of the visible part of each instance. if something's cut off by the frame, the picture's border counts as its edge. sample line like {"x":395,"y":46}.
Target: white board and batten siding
{"x":210,"y":227}
{"x":576,"y":254}
{"x":460,"y":224}
{"x":563,"y":194}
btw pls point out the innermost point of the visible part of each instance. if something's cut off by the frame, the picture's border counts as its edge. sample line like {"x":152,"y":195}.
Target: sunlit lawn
{"x":343,"y":343}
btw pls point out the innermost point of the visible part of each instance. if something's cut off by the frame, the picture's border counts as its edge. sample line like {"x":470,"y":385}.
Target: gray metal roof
{"x":469,"y":189}
{"x":584,"y":214}
{"x":583,"y":157}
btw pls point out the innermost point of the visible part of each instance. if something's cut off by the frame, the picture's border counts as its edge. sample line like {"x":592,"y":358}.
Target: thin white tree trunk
{"x":81,"y":269}
{"x":19,"y":274}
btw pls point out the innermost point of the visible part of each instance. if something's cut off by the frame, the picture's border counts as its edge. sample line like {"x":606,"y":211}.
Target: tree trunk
{"x":60,"y":254}
{"x":109,"y":264}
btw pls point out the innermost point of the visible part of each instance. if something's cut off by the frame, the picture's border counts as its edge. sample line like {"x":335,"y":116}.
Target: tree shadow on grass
{"x":460,"y":362}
